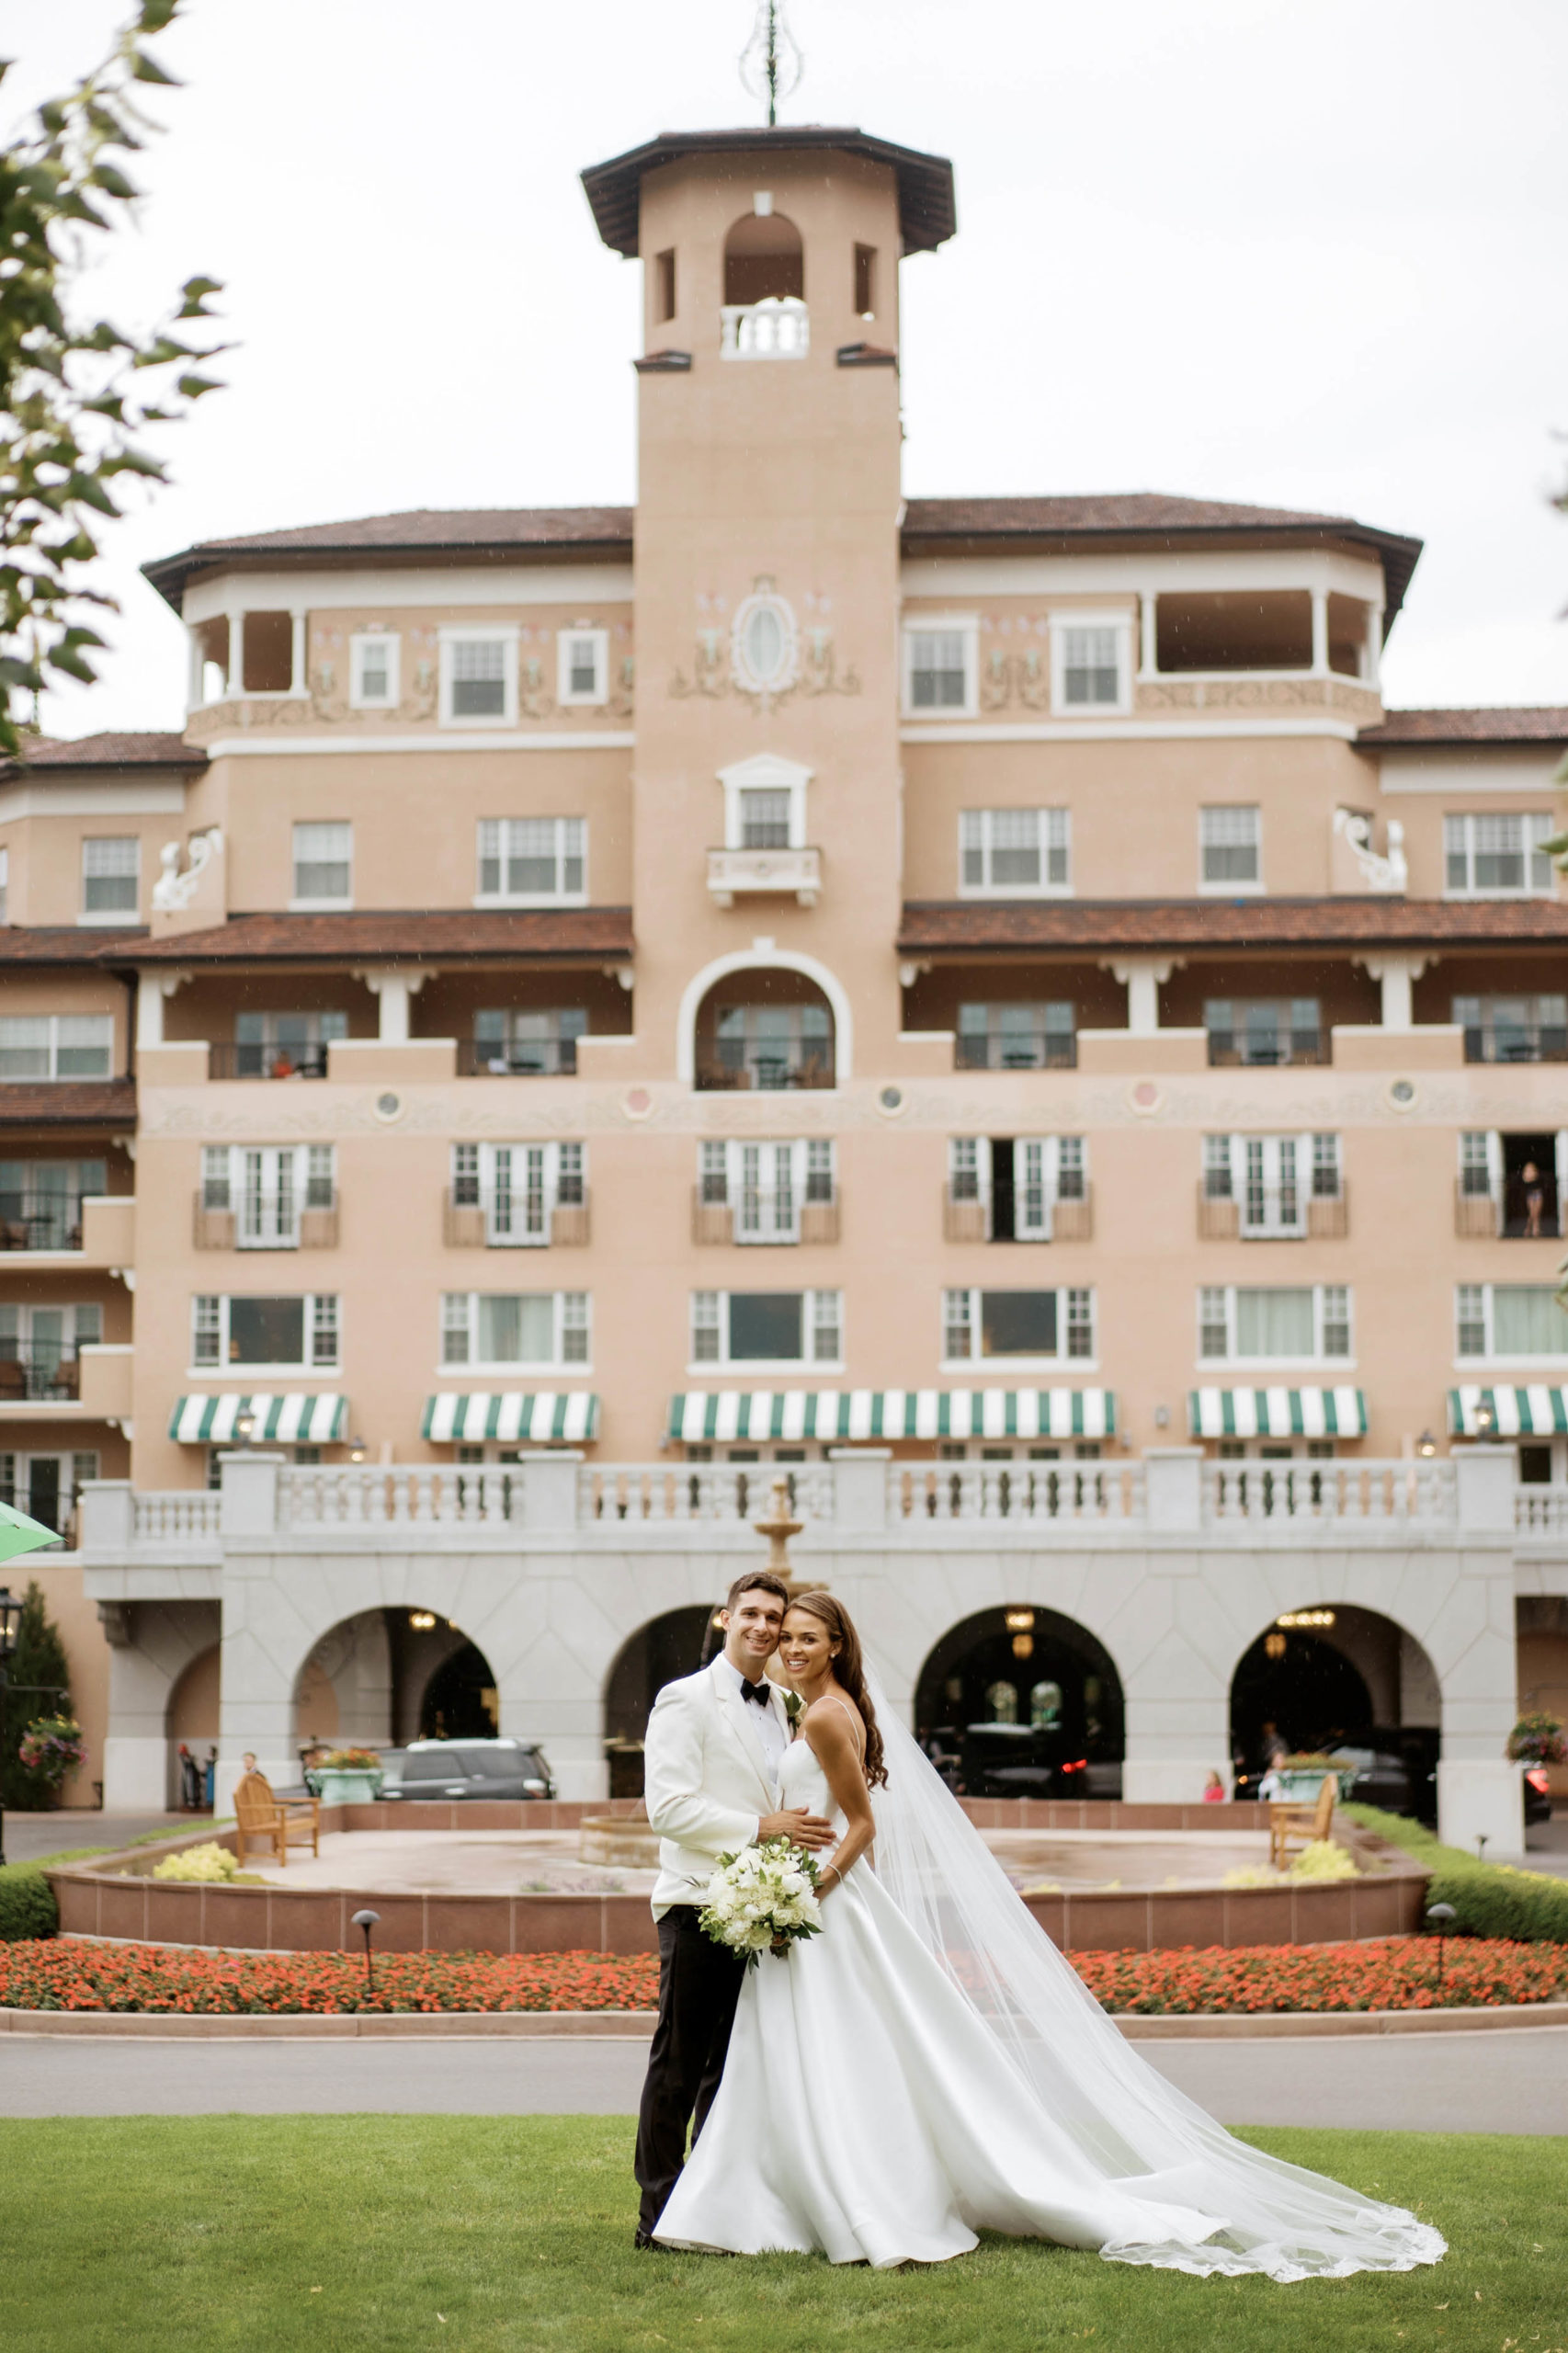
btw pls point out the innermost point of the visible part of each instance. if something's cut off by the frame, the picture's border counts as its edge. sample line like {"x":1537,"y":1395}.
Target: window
{"x":373,"y":672}
{"x":1016,"y":1036}
{"x":56,"y":1045}
{"x":523,"y":859}
{"x":664,"y":286}
{"x":111,"y":867}
{"x":1295,"y":1325}
{"x":1497,"y":857}
{"x":865,"y":281}
{"x":519,"y":1187}
{"x":299,"y":1334}
{"x":1513,"y":1028}
{"x":45,"y":1485}
{"x":528,"y":1045}
{"x":323,"y":865}
{"x":1478,"y":1176}
{"x":768,"y":1327}
{"x":1509,"y":1320}
{"x":40,"y":1201}
{"x":1013,"y":850}
{"x":285,"y":1045}
{"x":1261,"y":1031}
{"x":941,"y":663}
{"x":1231,"y":848}
{"x":550,"y":1328}
{"x":581,"y":666}
{"x":771,"y":1046}
{"x":1091,"y":665}
{"x":267,"y":652}
{"x":764,"y":802}
{"x":765,"y":819}
{"x":42,"y":1344}
{"x":1017,"y":1180}
{"x":1272,"y":1178}
{"x":765,"y":1185}
{"x":1044,"y":1324}
{"x":479,"y":676}
{"x":267,"y":1188}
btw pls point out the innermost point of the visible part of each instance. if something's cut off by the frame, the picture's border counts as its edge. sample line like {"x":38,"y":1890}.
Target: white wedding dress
{"x":885,"y":2098}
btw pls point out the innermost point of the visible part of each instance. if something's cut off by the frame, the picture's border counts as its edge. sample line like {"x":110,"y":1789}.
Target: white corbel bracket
{"x":622,"y":975}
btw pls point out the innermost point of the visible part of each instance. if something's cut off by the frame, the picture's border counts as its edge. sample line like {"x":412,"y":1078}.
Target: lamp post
{"x":11,"y":1627}
{"x":366,"y":1920}
{"x":1445,"y":1915}
{"x":1426,"y":1446}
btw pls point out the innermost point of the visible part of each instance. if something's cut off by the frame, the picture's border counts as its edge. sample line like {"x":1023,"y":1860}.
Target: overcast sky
{"x":1298,"y":254}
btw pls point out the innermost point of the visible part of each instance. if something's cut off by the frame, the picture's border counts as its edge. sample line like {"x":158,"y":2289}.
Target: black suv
{"x":443,"y":1769}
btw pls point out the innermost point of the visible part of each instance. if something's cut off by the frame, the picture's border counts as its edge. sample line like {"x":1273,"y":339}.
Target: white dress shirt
{"x":770,"y":1731}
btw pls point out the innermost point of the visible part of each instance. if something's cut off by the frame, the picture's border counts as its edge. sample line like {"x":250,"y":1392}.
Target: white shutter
{"x":1562,"y":1178}
{"x":1036,"y":1165}
{"x":1494,"y":1170}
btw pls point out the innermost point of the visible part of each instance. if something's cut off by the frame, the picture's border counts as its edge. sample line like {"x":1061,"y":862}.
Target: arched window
{"x":764,"y":1032}
{"x":764,"y":260}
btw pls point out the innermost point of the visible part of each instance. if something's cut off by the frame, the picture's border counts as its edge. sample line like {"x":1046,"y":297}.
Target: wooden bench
{"x":1301,"y":1825}
{"x":273,"y":1822}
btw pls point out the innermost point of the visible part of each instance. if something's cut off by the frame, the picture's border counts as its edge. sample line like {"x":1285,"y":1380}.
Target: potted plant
{"x":347,"y":1777}
{"x":51,"y":1747}
{"x":1538,"y":1740}
{"x":1303,"y":1775}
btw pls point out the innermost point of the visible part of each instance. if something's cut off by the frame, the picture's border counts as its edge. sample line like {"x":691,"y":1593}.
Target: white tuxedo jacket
{"x":706,"y":1779}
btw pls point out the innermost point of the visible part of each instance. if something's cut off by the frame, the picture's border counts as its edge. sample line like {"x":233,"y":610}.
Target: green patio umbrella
{"x":20,"y":1534}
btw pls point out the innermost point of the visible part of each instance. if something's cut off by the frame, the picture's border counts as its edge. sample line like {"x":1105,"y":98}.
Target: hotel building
{"x":975,"y":1002}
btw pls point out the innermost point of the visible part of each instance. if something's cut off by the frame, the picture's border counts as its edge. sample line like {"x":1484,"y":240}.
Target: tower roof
{"x":926,"y":211}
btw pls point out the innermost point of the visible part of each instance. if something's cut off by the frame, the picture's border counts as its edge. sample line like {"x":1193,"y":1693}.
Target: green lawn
{"x":283,"y":2235}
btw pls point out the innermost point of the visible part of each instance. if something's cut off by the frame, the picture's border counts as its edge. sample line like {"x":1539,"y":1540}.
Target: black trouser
{"x":700,"y":1984}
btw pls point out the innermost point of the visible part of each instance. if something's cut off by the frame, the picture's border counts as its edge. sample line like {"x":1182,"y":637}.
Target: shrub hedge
{"x":1489,"y":1899}
{"x":28,"y":1908}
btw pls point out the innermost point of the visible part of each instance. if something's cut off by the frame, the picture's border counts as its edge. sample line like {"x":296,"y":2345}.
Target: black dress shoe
{"x":644,"y":2239}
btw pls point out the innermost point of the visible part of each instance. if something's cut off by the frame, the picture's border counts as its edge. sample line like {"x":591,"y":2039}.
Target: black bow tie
{"x":762,"y":1693}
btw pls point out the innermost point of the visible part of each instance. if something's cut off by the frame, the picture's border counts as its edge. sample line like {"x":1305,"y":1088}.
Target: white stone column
{"x":248,"y":1506}
{"x":1397,"y":973}
{"x":298,"y":683}
{"x":1141,"y":977}
{"x":151,"y":990}
{"x":1172,"y":1486}
{"x":395,"y":987}
{"x":550,"y":1487}
{"x":1149,"y":642}
{"x":860,"y":1488}
{"x":1320,"y":631}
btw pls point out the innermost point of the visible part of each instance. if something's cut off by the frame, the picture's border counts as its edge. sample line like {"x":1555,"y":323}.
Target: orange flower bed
{"x":1393,"y":1973}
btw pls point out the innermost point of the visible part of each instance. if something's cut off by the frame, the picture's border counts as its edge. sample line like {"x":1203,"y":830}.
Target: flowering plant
{"x":763,"y":1899}
{"x":50,"y":1746}
{"x":348,"y":1760}
{"x":1538,"y":1740}
{"x":210,"y":1863}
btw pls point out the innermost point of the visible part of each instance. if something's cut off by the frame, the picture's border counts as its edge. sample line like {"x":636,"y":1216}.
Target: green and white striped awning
{"x":699,"y":1416}
{"x":1533,"y":1411}
{"x":519,"y":1418}
{"x":292,"y":1420}
{"x":1278,"y":1413}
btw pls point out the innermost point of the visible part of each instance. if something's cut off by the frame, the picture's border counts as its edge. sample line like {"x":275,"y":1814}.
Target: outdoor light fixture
{"x":245,"y":1426}
{"x":1427,"y":1445}
{"x":357,"y":1449}
{"x":1274,"y":1645}
{"x":1023,"y":1646}
{"x":1445,"y":1915}
{"x":422,"y":1619}
{"x":1019,"y":1621}
{"x":1305,"y":1618}
{"x":1486,"y":1420}
{"x":366,"y":1921}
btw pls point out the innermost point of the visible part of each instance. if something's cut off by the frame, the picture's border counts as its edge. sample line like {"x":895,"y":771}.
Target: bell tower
{"x":767,"y":550}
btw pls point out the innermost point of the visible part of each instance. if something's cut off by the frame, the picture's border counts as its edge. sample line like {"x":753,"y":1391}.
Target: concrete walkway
{"x":28,"y":1836}
{"x":1498,"y":2082}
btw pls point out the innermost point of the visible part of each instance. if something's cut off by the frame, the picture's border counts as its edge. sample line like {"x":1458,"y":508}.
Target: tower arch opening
{"x":764,"y":260}
{"x":768,"y":1030}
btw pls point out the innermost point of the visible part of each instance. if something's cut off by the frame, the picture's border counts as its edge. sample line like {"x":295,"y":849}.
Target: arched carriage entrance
{"x":1023,"y":1701}
{"x":1334,"y":1676}
{"x":667,"y":1647}
{"x":386,"y":1677}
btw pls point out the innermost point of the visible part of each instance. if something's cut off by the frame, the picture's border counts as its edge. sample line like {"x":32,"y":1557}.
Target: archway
{"x":764,"y":1032}
{"x":667,"y":1647}
{"x":760,"y":976}
{"x":1337,"y":1675}
{"x":191,"y":1720}
{"x":1023,"y":1700}
{"x":386,"y":1677}
{"x":764,"y":260}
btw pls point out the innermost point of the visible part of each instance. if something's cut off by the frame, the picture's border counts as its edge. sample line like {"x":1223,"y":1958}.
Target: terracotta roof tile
{"x":574,"y":932}
{"x":146,"y":749}
{"x":62,"y":943}
{"x":1542,"y":725}
{"x":926,"y":206}
{"x":1087,"y":928}
{"x":476,"y":531}
{"x":68,"y":1103}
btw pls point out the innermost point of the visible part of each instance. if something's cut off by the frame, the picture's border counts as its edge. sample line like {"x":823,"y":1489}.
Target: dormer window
{"x":373,"y":672}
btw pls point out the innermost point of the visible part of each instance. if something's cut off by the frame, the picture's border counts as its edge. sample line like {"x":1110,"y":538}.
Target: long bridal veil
{"x":1131,"y":2127}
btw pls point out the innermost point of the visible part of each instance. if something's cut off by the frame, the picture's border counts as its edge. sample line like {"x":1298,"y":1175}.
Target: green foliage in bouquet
{"x":763,"y":1899}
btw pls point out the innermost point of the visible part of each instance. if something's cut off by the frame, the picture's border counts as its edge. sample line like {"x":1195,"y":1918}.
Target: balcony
{"x":1273,"y":1213}
{"x":760,"y":1216}
{"x":256,"y":1059}
{"x":1021,"y":1046}
{"x":806,"y":1065}
{"x":1283,"y":1049}
{"x":35,"y":1372}
{"x":778,"y":327}
{"x":517,"y":1219}
{"x":1479,"y":1216}
{"x":264,"y":1221}
{"x":967,"y":1216}
{"x":778,"y":873}
{"x":1501,"y":1041}
{"x":518,"y":1058}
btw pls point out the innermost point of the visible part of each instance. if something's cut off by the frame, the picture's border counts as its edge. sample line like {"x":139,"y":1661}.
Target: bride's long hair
{"x":849,"y":1667}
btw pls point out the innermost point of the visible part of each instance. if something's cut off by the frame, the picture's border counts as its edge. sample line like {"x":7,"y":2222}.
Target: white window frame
{"x":339,"y":901}
{"x":569,"y":698}
{"x":764,"y":772}
{"x":571,"y":1312}
{"x":1537,"y":826}
{"x":120,"y":915}
{"x":267,"y":1188}
{"x":1322,"y":1296}
{"x":322,"y":1318}
{"x":1257,"y":887}
{"x":563,"y":850}
{"x":816,"y":1315}
{"x":4,"y":883}
{"x":1053,"y":838}
{"x":453,"y":634}
{"x":1038,"y":1163}
{"x":389,"y":642}
{"x":518,"y":1187}
{"x":53,"y":1075}
{"x":1120,"y":623}
{"x":1070,"y":1316}
{"x":1490,"y":1354}
{"x":1250,"y":1162}
{"x":765,"y":1183}
{"x":962,"y":625}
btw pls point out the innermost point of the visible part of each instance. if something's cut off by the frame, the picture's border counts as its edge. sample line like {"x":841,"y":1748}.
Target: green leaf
{"x":194,"y":386}
{"x":113,"y":182}
{"x":62,"y":657}
{"x":147,"y":69}
{"x":90,"y":491}
{"x":14,"y":672}
{"x":156,"y":15}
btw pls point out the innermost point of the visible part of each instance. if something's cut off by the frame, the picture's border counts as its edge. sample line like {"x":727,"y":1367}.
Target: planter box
{"x":338,"y":1788}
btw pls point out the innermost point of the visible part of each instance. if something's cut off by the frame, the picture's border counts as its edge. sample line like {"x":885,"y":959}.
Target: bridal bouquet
{"x":763,"y":1899}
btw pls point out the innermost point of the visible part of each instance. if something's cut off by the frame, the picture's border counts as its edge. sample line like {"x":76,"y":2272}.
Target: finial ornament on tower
{"x":771,"y":61}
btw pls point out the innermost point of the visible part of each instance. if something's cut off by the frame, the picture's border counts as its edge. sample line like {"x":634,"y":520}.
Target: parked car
{"x":443,"y":1769}
{"x":1538,"y":1794}
{"x":1396,"y":1769}
{"x":1019,"y":1761}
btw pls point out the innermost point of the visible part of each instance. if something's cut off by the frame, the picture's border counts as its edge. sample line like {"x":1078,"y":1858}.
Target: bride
{"x":930,"y":2066}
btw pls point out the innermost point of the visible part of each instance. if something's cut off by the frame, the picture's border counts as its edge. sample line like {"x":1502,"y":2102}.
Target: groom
{"x":715,"y":1744}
